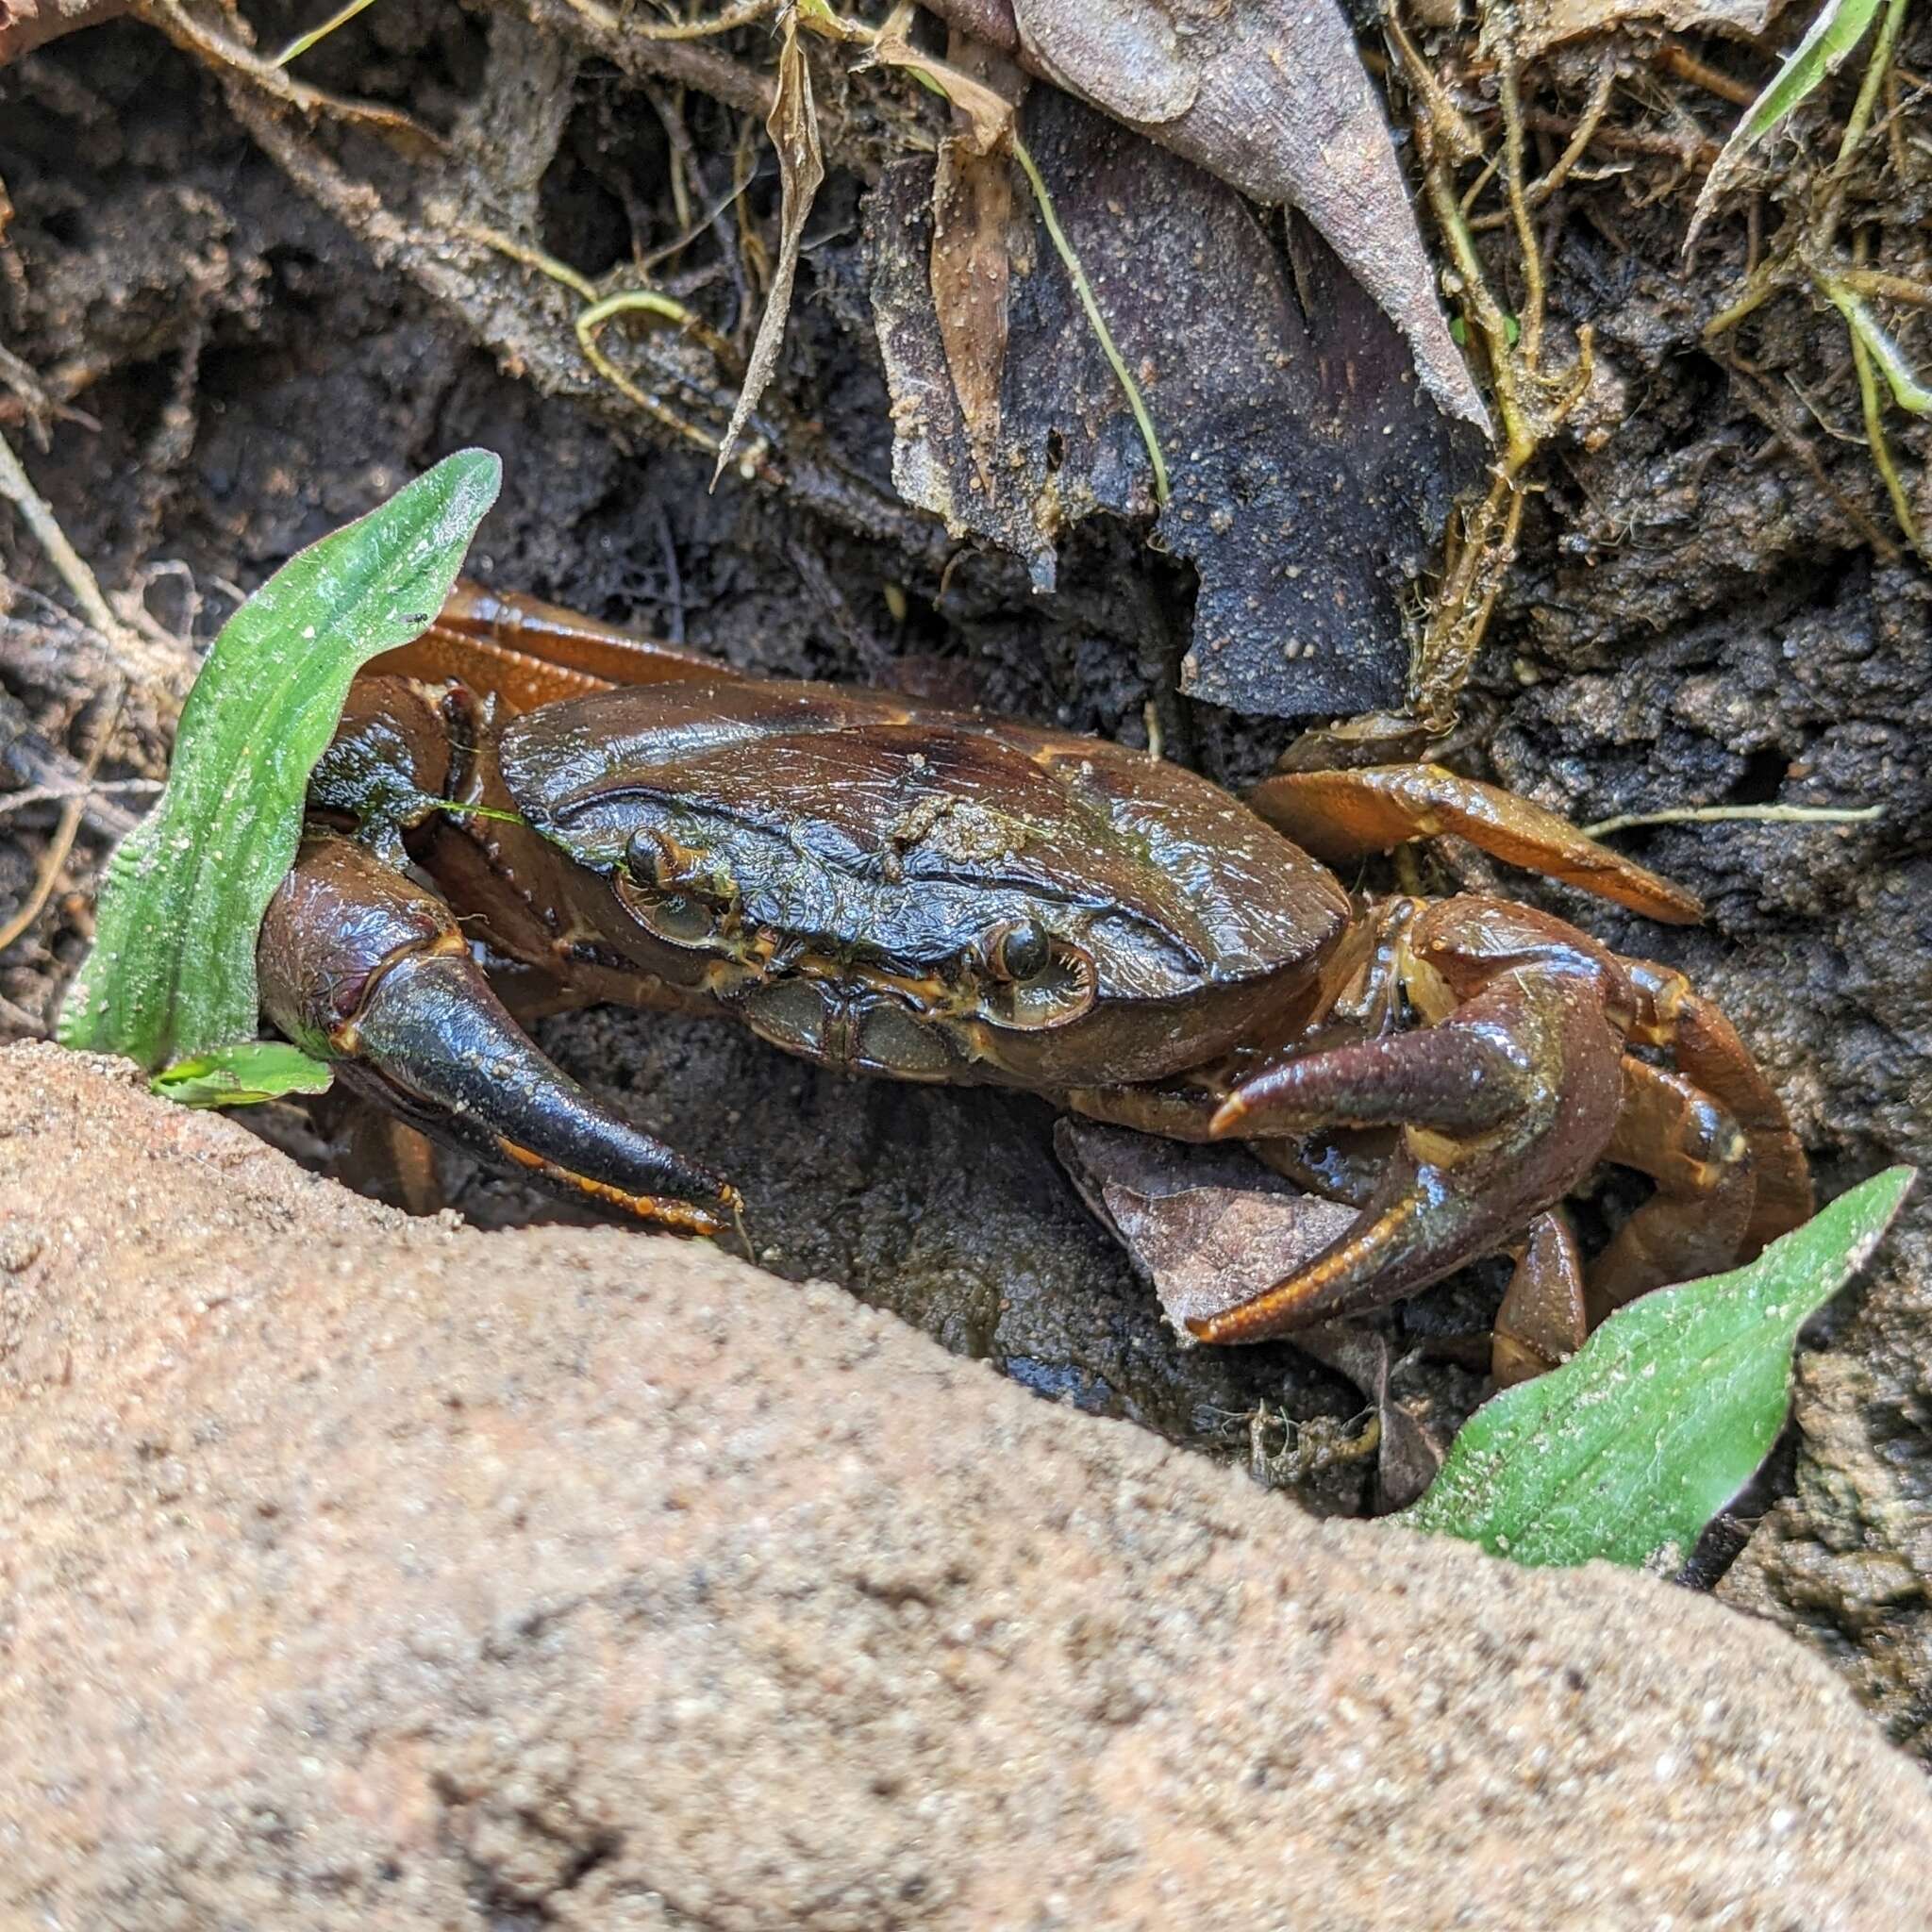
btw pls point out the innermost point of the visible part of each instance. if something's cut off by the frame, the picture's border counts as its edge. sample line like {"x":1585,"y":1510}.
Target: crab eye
{"x":1058,"y":986}
{"x":663,"y":886}
{"x":656,"y":857}
{"x":1018,"y":951}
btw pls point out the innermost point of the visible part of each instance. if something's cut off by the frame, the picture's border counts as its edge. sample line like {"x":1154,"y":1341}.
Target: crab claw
{"x":367,"y":970}
{"x":1503,"y":1106}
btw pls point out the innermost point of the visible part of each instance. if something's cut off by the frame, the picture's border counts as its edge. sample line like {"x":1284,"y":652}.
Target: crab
{"x":525,"y":810}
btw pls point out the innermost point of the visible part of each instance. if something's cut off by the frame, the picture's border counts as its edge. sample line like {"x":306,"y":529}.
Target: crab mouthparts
{"x":860,"y":1029}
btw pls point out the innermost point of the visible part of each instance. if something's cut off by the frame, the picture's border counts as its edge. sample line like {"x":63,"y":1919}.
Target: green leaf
{"x":171,"y":973}
{"x":1632,"y":1446}
{"x":241,"y":1075}
{"x":1906,"y":389}
{"x":1840,"y":26}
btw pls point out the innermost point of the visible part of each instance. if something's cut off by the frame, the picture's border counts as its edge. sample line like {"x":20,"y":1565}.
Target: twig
{"x":134,"y":656}
{"x":742,"y":14}
{"x":1680,"y":61}
{"x":1586,"y":131}
{"x":187,"y":32}
{"x":65,"y":832}
{"x":1593,"y":110}
{"x":14,"y":484}
{"x":1873,"y":281}
{"x":610,"y":34}
{"x":1718,"y":814}
{"x":29,"y":757}
{"x":53,"y":795}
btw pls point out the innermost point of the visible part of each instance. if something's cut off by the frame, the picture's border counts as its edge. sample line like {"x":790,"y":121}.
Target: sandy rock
{"x":361,"y":1573}
{"x":1845,"y":1561}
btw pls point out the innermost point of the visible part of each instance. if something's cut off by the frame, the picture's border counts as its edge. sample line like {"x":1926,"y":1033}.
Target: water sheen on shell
{"x":866,"y":824}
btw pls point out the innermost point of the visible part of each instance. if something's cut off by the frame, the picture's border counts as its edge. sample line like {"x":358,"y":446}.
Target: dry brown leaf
{"x":988,"y":114}
{"x":972,"y":203}
{"x":1272,"y":96}
{"x":793,"y":125}
{"x":972,"y":274}
{"x":1547,"y":24}
{"x":1209,"y":1228}
{"x":1307,"y":473}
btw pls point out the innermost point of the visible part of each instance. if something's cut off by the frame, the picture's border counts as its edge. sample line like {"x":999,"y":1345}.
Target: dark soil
{"x":1710,"y":607}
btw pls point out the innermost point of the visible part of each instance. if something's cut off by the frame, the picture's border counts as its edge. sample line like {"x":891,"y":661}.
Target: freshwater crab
{"x":891,"y":888}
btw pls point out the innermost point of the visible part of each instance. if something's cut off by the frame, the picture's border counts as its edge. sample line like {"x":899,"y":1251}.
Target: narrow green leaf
{"x":241,"y":1075}
{"x":1906,"y":389}
{"x":1632,"y":1446}
{"x":172,"y":972}
{"x":1840,"y":26}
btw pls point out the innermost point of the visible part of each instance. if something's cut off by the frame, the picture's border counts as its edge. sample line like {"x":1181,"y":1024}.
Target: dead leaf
{"x":1271,"y":95}
{"x":1547,"y":24}
{"x":988,"y":114}
{"x":793,"y":125}
{"x":1210,"y":1227}
{"x":1307,"y":475}
{"x":971,"y":209}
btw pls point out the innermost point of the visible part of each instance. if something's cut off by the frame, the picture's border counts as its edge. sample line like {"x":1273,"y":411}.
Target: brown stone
{"x":368,"y":1572}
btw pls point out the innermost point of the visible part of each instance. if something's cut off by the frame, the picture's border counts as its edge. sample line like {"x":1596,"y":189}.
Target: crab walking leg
{"x":1707,"y":1050}
{"x":1504,"y":1104}
{"x":1543,"y":1320}
{"x":363,"y":968}
{"x":524,"y":653}
{"x":1340,"y":816}
{"x":1698,"y":1220}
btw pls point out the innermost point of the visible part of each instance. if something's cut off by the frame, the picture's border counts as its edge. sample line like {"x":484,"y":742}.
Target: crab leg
{"x":363,"y":968}
{"x":1543,"y":1321}
{"x":524,"y":653}
{"x":1696,"y":1222}
{"x":1339,"y":816}
{"x":1707,"y":1050}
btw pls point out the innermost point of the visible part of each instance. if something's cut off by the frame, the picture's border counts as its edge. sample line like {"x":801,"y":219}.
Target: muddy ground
{"x":1712,"y":606}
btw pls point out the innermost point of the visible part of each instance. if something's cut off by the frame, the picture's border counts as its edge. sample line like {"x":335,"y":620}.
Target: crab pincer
{"x":366,"y":970}
{"x":1502,"y":1106}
